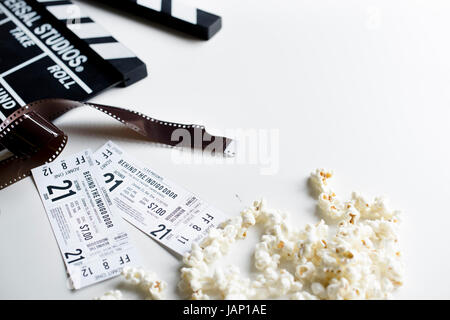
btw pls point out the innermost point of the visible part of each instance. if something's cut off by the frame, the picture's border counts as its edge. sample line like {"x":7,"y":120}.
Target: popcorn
{"x":110,"y":295}
{"x":144,"y":280}
{"x":358,"y":258}
{"x":319,"y":180}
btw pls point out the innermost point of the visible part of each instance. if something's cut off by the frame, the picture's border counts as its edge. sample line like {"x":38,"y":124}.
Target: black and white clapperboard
{"x":52,"y":49}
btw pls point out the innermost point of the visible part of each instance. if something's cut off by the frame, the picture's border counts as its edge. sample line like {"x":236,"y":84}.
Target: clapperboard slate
{"x":51,"y":49}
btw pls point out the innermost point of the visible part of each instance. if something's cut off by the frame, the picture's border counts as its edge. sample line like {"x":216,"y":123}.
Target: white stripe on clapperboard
{"x":88,"y":30}
{"x":49,"y":0}
{"x":112,"y":50}
{"x":108,"y":51}
{"x":184,"y":11}
{"x":152,"y":4}
{"x":47,"y":51}
{"x":179,"y":9}
{"x":66,"y":11}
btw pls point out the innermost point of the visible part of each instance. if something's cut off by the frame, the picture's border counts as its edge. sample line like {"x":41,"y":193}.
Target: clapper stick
{"x":98,"y":39}
{"x":172,"y":13}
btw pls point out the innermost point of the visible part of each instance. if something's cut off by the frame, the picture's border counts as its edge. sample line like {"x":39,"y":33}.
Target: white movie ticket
{"x":157,"y":206}
{"x":89,"y":230}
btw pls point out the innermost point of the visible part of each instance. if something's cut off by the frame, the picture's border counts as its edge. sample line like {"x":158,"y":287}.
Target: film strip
{"x":33,"y":139}
{"x":173,"y":13}
{"x":53,"y":49}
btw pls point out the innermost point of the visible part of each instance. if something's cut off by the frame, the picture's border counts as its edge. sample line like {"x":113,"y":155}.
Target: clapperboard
{"x":176,"y":14}
{"x":52,"y":49}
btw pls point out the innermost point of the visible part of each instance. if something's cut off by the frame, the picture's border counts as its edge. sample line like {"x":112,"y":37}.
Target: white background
{"x":361,"y":87}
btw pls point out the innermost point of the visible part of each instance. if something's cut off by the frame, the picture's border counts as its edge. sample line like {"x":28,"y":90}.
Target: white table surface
{"x":358,"y":86}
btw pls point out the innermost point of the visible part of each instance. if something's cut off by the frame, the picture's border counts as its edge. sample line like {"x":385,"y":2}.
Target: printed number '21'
{"x":110,"y":178}
{"x":68,"y":184}
{"x":161,"y":229}
{"x":69,"y":254}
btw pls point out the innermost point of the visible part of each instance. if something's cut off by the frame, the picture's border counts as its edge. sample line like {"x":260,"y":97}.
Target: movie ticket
{"x":157,"y":206}
{"x":89,"y":231}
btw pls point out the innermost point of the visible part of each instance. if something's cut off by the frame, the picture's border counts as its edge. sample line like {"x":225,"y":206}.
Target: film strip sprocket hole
{"x":33,"y":139}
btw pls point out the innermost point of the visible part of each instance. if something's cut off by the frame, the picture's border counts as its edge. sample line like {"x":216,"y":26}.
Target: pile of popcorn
{"x":356,"y":256}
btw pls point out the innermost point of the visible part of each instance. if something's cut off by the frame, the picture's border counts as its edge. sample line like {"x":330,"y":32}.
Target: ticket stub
{"x":157,"y":206}
{"x":89,"y":231}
